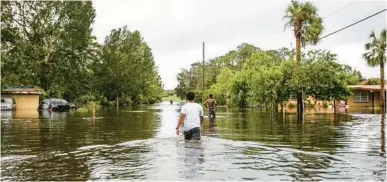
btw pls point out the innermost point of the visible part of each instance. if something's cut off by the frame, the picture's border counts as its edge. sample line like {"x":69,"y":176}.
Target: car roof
{"x":54,"y":100}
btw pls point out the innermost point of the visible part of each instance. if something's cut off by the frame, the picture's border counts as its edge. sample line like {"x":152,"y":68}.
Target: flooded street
{"x":139,"y":143}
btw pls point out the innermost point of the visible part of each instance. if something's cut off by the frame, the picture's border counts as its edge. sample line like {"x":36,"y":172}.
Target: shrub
{"x":325,"y":104}
{"x":291,"y":105}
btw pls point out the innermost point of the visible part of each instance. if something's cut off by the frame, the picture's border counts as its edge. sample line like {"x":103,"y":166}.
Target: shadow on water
{"x":139,"y":143}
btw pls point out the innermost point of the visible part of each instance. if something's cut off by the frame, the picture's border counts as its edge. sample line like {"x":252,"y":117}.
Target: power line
{"x":339,"y":9}
{"x":341,"y":29}
{"x":352,"y":24}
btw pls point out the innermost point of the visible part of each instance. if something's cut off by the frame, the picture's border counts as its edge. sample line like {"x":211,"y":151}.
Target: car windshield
{"x":57,"y":101}
{"x":46,"y":101}
{"x":7,"y":100}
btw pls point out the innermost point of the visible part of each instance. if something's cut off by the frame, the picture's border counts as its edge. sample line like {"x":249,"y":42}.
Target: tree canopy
{"x":267,"y":77}
{"x":49,"y":45}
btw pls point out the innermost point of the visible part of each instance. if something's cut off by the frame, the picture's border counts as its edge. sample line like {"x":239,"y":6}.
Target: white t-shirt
{"x":192,"y":112}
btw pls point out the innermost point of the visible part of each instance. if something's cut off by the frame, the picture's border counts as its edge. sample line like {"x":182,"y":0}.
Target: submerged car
{"x":7,"y":103}
{"x":55,"y":104}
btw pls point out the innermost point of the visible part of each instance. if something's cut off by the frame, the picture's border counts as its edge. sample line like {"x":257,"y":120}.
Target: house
{"x":25,"y":97}
{"x":365,"y":96}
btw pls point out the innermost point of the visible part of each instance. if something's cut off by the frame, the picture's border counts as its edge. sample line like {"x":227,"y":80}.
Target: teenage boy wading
{"x":192,"y":114}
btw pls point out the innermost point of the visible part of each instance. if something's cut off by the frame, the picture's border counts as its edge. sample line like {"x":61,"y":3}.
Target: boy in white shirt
{"x":192,"y":113}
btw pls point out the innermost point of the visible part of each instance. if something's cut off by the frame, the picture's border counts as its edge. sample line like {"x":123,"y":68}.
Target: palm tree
{"x":375,"y":55}
{"x":307,"y":27}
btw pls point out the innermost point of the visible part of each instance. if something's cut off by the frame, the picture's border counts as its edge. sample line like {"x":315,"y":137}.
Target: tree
{"x":307,"y":27}
{"x":373,"y":81}
{"x":48,"y":44}
{"x":221,"y":89}
{"x":354,"y":76}
{"x":127,"y":71}
{"x":375,"y":55}
{"x":326,"y":80}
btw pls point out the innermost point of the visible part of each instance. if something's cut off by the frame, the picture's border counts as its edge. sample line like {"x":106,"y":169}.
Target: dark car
{"x":55,"y":104}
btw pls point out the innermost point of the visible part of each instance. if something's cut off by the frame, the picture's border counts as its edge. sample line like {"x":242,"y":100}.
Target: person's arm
{"x":179,"y":122}
{"x":206,"y":104}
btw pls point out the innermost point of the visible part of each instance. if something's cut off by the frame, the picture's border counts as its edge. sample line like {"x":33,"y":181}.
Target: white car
{"x":7,"y":103}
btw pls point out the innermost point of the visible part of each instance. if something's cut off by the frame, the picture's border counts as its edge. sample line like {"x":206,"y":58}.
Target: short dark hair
{"x":211,"y":95}
{"x":190,"y":96}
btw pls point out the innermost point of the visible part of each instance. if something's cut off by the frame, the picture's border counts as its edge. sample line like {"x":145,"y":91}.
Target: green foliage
{"x":375,"y":54}
{"x":49,"y":44}
{"x":168,"y":93}
{"x":325,"y":104}
{"x":127,"y":70}
{"x":291,"y":106}
{"x":270,"y":77}
{"x":354,"y":76}
{"x":373,"y":81}
{"x":325,"y":80}
{"x":221,"y":89}
{"x":303,"y":18}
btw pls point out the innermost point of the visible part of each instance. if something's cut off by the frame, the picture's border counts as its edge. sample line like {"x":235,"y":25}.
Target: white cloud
{"x":175,"y":29}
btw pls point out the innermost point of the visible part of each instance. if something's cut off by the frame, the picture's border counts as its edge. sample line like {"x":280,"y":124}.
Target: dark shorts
{"x":193,"y":134}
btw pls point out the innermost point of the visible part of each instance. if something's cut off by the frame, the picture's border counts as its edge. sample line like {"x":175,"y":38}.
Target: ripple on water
{"x":275,"y":151}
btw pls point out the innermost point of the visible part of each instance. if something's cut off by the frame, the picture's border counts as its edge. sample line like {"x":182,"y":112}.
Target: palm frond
{"x":375,"y":50}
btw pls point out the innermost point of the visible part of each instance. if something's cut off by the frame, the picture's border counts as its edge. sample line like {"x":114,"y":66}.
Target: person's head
{"x":190,"y":96}
{"x":211,"y":96}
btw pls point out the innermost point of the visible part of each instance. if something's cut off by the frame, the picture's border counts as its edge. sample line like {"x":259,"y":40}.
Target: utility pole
{"x":203,"y":71}
{"x":203,"y":97}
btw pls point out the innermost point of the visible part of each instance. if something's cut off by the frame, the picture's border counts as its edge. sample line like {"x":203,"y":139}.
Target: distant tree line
{"x":251,"y":76}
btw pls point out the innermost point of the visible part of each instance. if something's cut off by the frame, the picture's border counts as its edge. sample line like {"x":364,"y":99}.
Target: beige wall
{"x":24,"y":101}
{"x":26,"y":113}
{"x":351,"y":103}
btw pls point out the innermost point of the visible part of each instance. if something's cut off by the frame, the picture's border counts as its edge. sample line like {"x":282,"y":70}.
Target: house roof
{"x":27,"y":91}
{"x":366,"y":87}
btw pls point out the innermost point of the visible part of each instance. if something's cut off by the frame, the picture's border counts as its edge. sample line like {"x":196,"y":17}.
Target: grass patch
{"x":88,"y":107}
{"x":173,"y":98}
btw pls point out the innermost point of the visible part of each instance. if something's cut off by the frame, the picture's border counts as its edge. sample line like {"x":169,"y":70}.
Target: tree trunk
{"x":382,"y":99}
{"x":382,"y":133}
{"x":117,"y":101}
{"x":300,"y":108}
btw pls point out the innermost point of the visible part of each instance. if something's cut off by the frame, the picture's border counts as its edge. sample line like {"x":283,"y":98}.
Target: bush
{"x":325,"y":104}
{"x":86,"y":99}
{"x":291,"y":105}
{"x":309,"y":104}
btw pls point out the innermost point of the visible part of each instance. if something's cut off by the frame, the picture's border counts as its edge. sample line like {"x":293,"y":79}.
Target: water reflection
{"x":20,"y":114}
{"x":139,"y":143}
{"x":382,"y":134}
{"x":193,"y":158}
{"x":51,"y":115}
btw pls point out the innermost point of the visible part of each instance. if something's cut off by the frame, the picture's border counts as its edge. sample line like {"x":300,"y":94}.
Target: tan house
{"x":365,"y":96}
{"x":25,"y":98}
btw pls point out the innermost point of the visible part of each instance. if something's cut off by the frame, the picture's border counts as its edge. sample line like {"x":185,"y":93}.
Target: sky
{"x":175,"y":29}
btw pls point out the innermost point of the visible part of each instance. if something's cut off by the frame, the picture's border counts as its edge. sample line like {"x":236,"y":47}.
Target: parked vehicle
{"x":55,"y":104}
{"x":8,"y":103}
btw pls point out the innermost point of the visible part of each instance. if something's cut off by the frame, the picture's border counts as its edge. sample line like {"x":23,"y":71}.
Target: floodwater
{"x":140,"y":143}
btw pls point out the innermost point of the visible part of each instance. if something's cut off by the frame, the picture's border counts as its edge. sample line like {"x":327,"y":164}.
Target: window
{"x":360,"y":96}
{"x":64,"y":102}
{"x":8,"y":100}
